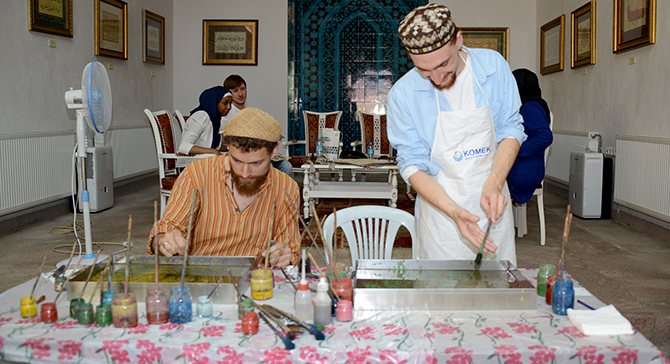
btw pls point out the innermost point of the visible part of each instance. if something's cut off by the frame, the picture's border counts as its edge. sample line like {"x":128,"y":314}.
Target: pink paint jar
{"x":345,"y":311}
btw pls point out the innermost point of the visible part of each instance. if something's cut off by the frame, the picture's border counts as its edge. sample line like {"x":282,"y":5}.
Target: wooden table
{"x":313,"y":188}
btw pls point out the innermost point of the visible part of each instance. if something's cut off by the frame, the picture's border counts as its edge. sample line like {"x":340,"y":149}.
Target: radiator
{"x":34,"y":169}
{"x":642,"y":175}
{"x":558,"y":163}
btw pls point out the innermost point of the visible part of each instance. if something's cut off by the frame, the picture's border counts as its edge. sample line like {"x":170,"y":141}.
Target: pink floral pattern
{"x":64,"y":325}
{"x":363,"y":334}
{"x":358,"y":355}
{"x":277,"y":355}
{"x":393,"y":330}
{"x":228,"y":355}
{"x":445,"y":328}
{"x":195,"y":353}
{"x":4,"y":320}
{"x":521,"y":328}
{"x":509,"y":353}
{"x":150,"y":353}
{"x":572,"y":331}
{"x":496,"y":332}
{"x":590,"y":354}
{"x":459,"y":355}
{"x":139,"y":329}
{"x":39,"y":349}
{"x":542,"y":354}
{"x":625,"y":355}
{"x":69,"y":350}
{"x":211,"y":331}
{"x":115,"y":349}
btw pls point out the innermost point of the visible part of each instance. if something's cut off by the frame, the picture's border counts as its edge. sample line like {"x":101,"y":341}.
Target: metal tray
{"x":202,"y":274}
{"x":441,"y":285}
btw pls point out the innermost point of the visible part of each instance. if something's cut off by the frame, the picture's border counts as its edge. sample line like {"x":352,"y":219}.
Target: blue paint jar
{"x":563,"y":297}
{"x":181,"y":305}
{"x":107,"y":297}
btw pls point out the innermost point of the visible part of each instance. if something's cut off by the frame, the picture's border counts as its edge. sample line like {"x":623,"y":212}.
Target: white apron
{"x":464,"y":149}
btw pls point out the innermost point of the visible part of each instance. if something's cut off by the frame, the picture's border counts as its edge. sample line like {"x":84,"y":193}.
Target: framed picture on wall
{"x":50,"y":16}
{"x":552,"y":46}
{"x":491,"y":38}
{"x":583,"y":36}
{"x":111,"y":28}
{"x":230,"y":42}
{"x":153,"y":37}
{"x":634,"y":24}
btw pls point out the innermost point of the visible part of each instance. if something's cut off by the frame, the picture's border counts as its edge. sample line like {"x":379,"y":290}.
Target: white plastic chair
{"x":521,"y":214}
{"x":370,"y":230}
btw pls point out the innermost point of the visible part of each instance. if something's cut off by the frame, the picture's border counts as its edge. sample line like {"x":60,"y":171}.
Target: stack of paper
{"x":603,"y":321}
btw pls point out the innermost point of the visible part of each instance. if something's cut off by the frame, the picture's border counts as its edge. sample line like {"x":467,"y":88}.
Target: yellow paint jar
{"x":29,"y":307}
{"x":261,"y":284}
{"x":124,"y":310}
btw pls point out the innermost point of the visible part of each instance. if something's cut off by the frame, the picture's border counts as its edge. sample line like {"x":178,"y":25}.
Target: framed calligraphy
{"x":153,"y":37}
{"x":552,"y":48}
{"x":230,"y":42}
{"x":50,"y":16}
{"x":634,"y":24}
{"x":496,"y":39}
{"x":583,"y":36}
{"x":111,"y":28}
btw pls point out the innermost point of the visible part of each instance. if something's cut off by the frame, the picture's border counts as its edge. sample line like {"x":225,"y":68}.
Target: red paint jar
{"x":49,"y":313}
{"x":344,"y":311}
{"x":250,"y":323}
{"x":343,"y":288}
{"x":550,"y":288}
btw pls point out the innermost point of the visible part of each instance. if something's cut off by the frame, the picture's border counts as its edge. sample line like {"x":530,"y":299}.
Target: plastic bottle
{"x":319,"y":148}
{"x":303,"y":297}
{"x":322,"y":303}
{"x":371,"y":151}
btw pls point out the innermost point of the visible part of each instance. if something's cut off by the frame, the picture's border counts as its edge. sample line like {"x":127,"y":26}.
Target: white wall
{"x":613,"y":97}
{"x":267,"y":83}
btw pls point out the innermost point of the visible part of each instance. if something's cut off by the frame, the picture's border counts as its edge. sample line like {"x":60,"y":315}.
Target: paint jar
{"x":261,"y":284}
{"x":59,"y":284}
{"x":108,"y":297}
{"x":74,"y":307}
{"x":103,"y":315}
{"x":550,"y":287}
{"x":343,"y":288}
{"x":28,"y":307}
{"x":158,"y":311}
{"x":181,"y":305}
{"x":246,"y":305}
{"x":48,"y":312}
{"x":250,"y":323}
{"x":124,"y":310}
{"x":545,"y":271}
{"x":563,"y":297}
{"x":204,"y":306}
{"x":345,"y":312}
{"x":85,"y":314}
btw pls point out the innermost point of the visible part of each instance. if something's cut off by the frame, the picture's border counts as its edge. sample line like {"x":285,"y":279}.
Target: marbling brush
{"x":40,"y":273}
{"x":188,"y":238}
{"x":127,"y":276}
{"x":156,"y":244}
{"x":330,"y":256}
{"x":68,"y":278}
{"x":90,"y":273}
{"x":566,"y":232}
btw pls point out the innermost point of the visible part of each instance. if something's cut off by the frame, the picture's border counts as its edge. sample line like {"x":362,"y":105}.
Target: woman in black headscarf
{"x":528,"y":170}
{"x":202,"y":127}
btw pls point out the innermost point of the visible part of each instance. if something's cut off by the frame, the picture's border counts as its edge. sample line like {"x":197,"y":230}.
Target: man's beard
{"x":450,"y":80}
{"x":248,"y":188}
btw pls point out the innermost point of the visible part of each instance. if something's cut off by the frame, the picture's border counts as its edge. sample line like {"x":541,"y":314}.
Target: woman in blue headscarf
{"x":202,"y":127}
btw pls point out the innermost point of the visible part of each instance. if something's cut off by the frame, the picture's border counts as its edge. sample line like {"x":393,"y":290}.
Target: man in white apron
{"x":455,"y":122}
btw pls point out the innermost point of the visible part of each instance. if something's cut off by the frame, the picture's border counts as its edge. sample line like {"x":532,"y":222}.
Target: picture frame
{"x":233,"y":42}
{"x":583,"y":36}
{"x":51,"y":17}
{"x":634,"y":24}
{"x":496,"y":39}
{"x":153,"y":37}
{"x":552,"y":46}
{"x":111,"y":28}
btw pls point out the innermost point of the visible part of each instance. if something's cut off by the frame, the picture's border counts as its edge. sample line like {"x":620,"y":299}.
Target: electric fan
{"x":94,"y":104}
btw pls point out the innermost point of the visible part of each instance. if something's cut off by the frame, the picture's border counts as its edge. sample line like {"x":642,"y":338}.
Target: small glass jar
{"x":261,"y":284}
{"x":158,"y":311}
{"x":250,"y":323}
{"x":28,"y":307}
{"x":59,"y":284}
{"x":103,"y":315}
{"x":108,"y":297}
{"x":85,"y":314}
{"x":563,"y":297}
{"x":345,"y":311}
{"x":550,"y":288}
{"x":48,"y":313}
{"x":246,"y":305}
{"x":124,"y":310}
{"x":545,"y":271}
{"x":181,"y":305}
{"x":74,"y":307}
{"x":343,"y":288}
{"x":204,"y":306}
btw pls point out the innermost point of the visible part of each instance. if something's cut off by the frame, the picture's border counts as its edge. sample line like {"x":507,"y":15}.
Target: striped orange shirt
{"x":218,"y":228}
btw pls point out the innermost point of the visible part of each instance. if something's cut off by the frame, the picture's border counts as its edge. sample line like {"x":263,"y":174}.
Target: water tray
{"x":441,"y":285}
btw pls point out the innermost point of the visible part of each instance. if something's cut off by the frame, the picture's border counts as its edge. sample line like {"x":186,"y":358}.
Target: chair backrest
{"x":314,"y":123}
{"x":373,"y":129}
{"x":370,"y":230}
{"x":161,"y":126}
{"x":181,"y":120}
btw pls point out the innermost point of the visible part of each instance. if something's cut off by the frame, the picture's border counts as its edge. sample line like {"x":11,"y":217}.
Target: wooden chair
{"x":314,"y":123}
{"x":181,"y":119}
{"x":373,"y":129}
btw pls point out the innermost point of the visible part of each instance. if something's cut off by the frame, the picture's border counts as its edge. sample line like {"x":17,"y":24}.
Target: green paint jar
{"x":74,"y":307}
{"x":545,"y":271}
{"x":247,"y":305}
{"x":85,"y":314}
{"x":103,"y":315}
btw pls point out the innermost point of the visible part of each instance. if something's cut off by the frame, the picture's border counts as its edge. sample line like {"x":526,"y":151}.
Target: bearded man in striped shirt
{"x":241,"y":201}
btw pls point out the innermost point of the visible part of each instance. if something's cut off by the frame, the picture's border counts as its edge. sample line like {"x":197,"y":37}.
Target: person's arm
{"x":195,"y":127}
{"x":285,"y":229}
{"x":493,"y":201}
{"x":201,"y":150}
{"x":536,"y":126}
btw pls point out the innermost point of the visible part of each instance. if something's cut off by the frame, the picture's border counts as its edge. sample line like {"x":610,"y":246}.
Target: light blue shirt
{"x":412,"y":109}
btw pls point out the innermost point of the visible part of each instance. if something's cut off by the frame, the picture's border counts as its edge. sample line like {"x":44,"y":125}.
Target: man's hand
{"x":493,"y":202}
{"x":280,"y":255}
{"x":467,"y":225}
{"x":172,"y":243}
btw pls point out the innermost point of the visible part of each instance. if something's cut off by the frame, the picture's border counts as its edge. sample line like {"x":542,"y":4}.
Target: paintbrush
{"x":40,"y":273}
{"x":215,"y":287}
{"x":330,"y":256}
{"x":90,"y":273}
{"x":68,"y":278}
{"x":234,"y":284}
{"x":289,"y":279}
{"x":156,"y":245}
{"x":188,"y":238}
{"x":318,"y":335}
{"x":478,"y":260}
{"x":287,"y":341}
{"x":96,"y":287}
{"x":287,"y":331}
{"x":127,"y":278}
{"x":270,"y":242}
{"x":566,"y":232}
{"x":323,"y":275}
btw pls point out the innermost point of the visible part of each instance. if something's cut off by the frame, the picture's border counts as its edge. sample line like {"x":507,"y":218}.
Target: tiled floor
{"x":619,"y":265}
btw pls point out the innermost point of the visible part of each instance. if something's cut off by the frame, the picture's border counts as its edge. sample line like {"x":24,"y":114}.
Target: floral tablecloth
{"x":537,"y":336}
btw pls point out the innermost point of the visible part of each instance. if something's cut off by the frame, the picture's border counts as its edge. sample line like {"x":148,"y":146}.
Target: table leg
{"x":306,"y":186}
{"x":394,"y":188}
{"x":353,"y":175}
